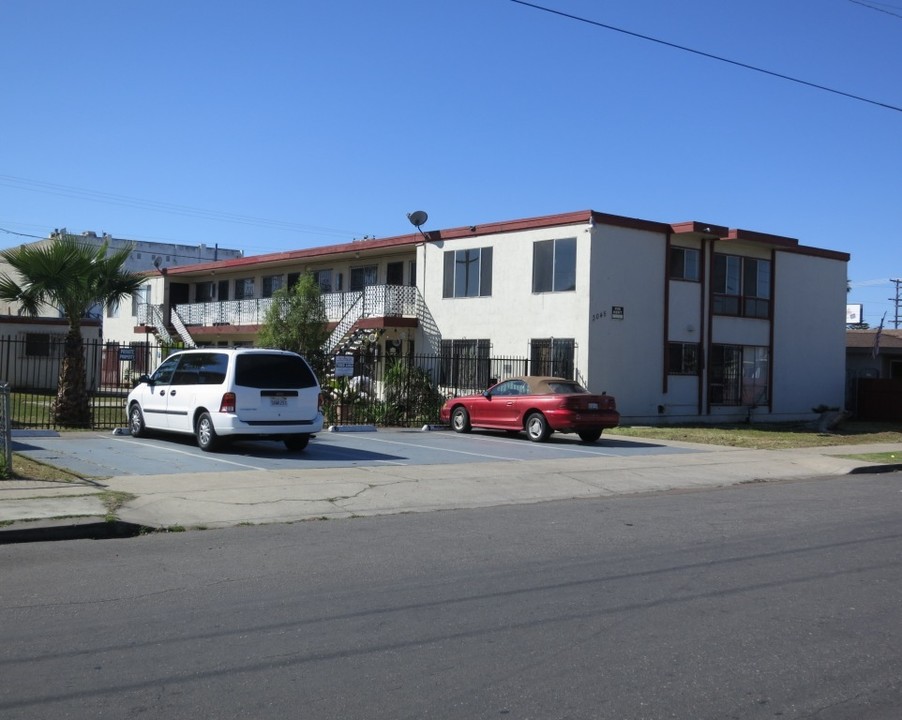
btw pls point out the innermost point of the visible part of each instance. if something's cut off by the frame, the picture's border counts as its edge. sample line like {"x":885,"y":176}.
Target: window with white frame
{"x":554,"y":265}
{"x":738,"y":375}
{"x":467,"y":273}
{"x":684,"y":263}
{"x":741,"y":286}
{"x":140,"y":297}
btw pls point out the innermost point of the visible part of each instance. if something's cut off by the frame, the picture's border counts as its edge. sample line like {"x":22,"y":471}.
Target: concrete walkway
{"x":206,"y":500}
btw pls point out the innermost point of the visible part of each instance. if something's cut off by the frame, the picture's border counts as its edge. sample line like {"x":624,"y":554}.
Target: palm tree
{"x":73,"y":277}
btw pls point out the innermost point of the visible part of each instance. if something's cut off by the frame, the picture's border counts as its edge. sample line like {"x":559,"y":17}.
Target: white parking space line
{"x":549,"y":446}
{"x":442,"y":449}
{"x":210,"y":458}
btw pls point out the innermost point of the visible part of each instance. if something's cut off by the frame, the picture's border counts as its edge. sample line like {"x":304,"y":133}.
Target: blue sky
{"x":283,"y":124}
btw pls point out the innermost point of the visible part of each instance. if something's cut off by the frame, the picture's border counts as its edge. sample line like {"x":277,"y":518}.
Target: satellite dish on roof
{"x":417,"y":218}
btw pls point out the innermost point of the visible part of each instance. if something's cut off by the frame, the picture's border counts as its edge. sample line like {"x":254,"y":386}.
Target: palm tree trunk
{"x":72,"y":407}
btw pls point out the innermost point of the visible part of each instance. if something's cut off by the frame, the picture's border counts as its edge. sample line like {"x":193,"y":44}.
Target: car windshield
{"x":259,"y":370}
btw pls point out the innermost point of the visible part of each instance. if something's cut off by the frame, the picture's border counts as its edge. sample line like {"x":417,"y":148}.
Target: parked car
{"x":538,"y":405}
{"x":217,"y":394}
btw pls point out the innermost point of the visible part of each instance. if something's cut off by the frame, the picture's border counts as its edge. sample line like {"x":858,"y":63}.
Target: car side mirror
{"x":143,"y":379}
{"x":487,"y":394}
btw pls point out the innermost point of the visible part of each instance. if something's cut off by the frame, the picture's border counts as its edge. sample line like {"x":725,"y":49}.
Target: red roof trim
{"x":758,"y":237}
{"x":543,"y":221}
{"x":699,"y":228}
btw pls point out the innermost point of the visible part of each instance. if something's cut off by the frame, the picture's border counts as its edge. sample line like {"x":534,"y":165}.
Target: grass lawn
{"x":765,"y":436}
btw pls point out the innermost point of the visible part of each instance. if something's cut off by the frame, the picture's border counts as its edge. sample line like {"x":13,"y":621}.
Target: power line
{"x":708,"y":55}
{"x":874,"y":6}
{"x":163,"y":207}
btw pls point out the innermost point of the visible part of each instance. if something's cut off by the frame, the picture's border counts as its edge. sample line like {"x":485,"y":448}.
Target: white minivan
{"x":221,"y":393}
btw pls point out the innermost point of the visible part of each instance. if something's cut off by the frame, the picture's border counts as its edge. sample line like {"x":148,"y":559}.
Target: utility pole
{"x":897,"y":300}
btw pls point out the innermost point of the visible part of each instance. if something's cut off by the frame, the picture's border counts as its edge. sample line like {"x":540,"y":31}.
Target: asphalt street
{"x":754,"y":601}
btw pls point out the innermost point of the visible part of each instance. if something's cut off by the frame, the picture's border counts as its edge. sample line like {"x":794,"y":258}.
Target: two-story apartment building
{"x":685,"y":321}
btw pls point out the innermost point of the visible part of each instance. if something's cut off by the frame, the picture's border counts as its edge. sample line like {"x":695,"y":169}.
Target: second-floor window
{"x":741,"y":286}
{"x":244,"y":289}
{"x":684,"y":263}
{"x":467,"y":273}
{"x":271,"y":283}
{"x":323,"y":279}
{"x":363,"y":276}
{"x":554,"y":265}
{"x":204,"y":291}
{"x":140,"y":297}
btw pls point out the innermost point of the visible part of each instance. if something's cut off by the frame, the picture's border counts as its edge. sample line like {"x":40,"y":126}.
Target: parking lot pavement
{"x":104,"y":454}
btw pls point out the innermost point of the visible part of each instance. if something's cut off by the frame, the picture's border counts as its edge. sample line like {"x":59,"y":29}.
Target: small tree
{"x":72,"y":276}
{"x":296,"y":321}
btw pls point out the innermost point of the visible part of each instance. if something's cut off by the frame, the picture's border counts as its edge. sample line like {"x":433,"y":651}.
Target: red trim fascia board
{"x":759,"y":237}
{"x":294,"y":255}
{"x":38,"y":320}
{"x":821,"y":252}
{"x":699,"y":228}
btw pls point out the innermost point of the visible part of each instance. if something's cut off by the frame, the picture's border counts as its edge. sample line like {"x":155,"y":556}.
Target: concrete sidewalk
{"x":47,"y":510}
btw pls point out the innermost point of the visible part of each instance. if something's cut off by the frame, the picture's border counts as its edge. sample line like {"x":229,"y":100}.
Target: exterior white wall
{"x":809,"y":352}
{"x":513,"y":314}
{"x":626,"y":355}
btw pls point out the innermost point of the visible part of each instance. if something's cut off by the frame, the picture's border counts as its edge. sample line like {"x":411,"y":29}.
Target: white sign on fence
{"x":344,"y":365}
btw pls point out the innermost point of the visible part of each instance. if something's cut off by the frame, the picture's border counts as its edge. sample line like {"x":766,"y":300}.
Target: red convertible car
{"x":539,"y":405}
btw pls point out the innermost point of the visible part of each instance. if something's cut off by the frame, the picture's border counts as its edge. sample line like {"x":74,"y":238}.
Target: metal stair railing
{"x":154,"y":313}
{"x":353,"y":314}
{"x":181,"y":329}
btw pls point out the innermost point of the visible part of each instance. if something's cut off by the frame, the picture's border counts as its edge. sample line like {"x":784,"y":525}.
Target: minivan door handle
{"x":162,"y":392}
{"x":172,"y":392}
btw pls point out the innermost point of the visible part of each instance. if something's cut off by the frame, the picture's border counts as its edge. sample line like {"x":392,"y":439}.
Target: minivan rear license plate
{"x":279,"y":401}
{"x":593,"y":406}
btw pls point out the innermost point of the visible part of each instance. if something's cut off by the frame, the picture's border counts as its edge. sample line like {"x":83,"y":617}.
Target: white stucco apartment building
{"x":681,"y":322}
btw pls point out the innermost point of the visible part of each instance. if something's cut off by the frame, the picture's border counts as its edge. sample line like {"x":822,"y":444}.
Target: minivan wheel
{"x":590,"y":436}
{"x":296,"y":443}
{"x":136,"y":421}
{"x":207,"y":439}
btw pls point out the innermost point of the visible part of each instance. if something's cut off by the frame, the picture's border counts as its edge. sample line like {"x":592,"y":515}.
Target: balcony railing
{"x":378,"y":301}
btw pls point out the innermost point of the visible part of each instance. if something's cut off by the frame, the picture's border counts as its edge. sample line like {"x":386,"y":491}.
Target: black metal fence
{"x":372,"y":387}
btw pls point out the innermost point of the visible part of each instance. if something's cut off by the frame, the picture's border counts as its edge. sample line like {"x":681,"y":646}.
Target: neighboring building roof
{"x":864,"y":339}
{"x":704,"y":230}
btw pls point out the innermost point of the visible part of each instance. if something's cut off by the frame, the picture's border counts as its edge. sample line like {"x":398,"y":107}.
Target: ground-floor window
{"x":552,"y":356}
{"x":682,"y":358}
{"x":738,"y":375}
{"x":466,"y":364}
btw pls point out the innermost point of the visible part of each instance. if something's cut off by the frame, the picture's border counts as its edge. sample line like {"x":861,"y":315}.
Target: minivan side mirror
{"x":143,"y":379}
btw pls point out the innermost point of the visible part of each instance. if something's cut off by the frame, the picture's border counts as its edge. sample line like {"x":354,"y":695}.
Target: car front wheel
{"x":207,"y":439}
{"x":460,"y":420}
{"x":537,"y":427}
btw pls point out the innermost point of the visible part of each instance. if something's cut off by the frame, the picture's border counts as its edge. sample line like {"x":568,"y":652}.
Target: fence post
{"x":6,"y":433}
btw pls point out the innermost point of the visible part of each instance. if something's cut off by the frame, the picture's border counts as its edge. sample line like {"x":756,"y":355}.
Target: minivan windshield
{"x":276,"y":371}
